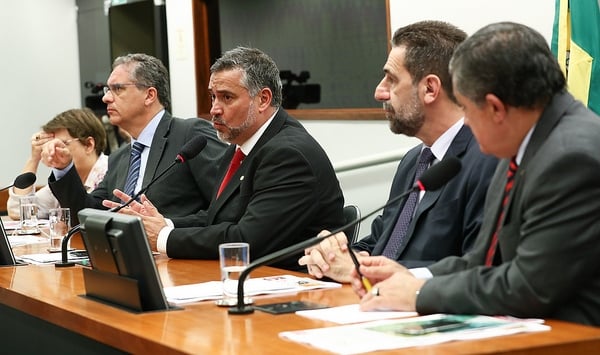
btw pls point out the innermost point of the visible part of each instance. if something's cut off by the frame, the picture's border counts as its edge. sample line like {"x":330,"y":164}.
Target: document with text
{"x":408,"y":332}
{"x":213,"y":290}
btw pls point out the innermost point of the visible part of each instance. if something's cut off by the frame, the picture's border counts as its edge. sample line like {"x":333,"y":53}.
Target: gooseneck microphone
{"x":189,"y":150}
{"x":22,"y":181}
{"x":432,"y":179}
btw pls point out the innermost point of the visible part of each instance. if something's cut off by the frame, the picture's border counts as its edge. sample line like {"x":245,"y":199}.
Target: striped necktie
{"x":408,"y":210}
{"x":134,"y":168}
{"x":510,"y":178}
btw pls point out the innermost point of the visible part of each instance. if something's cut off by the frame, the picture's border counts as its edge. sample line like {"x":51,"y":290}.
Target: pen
{"x":364,"y":280}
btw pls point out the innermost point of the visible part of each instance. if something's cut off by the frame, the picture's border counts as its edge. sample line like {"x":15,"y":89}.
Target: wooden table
{"x":49,"y":305}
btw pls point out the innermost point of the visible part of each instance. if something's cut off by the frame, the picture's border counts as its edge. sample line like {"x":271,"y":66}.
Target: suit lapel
{"x":548,"y":120}
{"x":407,"y":181}
{"x":157,"y":149}
{"x":546,"y":123}
{"x":234,"y":184}
{"x":457,"y":148}
{"x":122,"y":168}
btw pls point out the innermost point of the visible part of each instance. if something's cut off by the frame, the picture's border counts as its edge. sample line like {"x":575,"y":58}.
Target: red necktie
{"x":236,"y":161}
{"x":510,"y":177}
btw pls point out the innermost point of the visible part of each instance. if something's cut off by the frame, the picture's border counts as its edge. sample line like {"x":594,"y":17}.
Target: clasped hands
{"x":394,"y":287}
{"x":152,"y":219}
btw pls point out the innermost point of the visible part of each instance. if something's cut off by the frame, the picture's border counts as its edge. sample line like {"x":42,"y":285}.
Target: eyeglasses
{"x":116,"y":89}
{"x":67,"y":142}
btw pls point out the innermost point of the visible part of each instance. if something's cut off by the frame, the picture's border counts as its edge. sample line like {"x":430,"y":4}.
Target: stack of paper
{"x":52,"y":258}
{"x":352,"y":314}
{"x":408,"y":332}
{"x":13,"y":225}
{"x":213,"y":290}
{"x":25,"y":239}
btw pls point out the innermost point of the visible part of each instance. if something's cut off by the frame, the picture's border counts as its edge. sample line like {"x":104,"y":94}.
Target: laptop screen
{"x":6,"y":254}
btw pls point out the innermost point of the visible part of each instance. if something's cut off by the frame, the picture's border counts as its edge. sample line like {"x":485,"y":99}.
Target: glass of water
{"x":60,"y":223}
{"x":233,"y":259}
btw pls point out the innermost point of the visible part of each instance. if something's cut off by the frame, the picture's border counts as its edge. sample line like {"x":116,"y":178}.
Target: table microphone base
{"x":241,"y":310}
{"x":61,"y":264}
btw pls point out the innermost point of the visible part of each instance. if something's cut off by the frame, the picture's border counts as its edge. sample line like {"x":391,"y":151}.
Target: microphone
{"x":22,"y":181}
{"x":432,"y":179}
{"x":189,"y":150}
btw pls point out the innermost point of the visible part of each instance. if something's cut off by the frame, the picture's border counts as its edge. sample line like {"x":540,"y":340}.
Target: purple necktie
{"x":408,"y":210}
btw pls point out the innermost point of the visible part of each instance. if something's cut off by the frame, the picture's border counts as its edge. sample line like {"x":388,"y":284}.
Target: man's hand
{"x":394,"y":287}
{"x":55,"y":154}
{"x":330,"y":258}
{"x":152,"y":219}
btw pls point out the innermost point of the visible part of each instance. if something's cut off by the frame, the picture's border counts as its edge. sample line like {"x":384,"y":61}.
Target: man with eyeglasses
{"x":138,"y":101}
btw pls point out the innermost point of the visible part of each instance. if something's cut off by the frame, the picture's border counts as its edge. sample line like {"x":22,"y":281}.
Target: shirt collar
{"x":248,"y":145}
{"x":147,"y":133}
{"x":523,"y":145}
{"x":442,"y":144}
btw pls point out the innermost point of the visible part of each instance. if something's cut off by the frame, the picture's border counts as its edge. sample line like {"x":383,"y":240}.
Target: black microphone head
{"x":191,"y":149}
{"x":24,"y":180}
{"x":439,"y":174}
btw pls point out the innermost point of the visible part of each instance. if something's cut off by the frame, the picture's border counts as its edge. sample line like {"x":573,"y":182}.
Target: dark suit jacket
{"x":185,"y":190}
{"x":284,"y":192}
{"x":446,"y":220}
{"x":550,"y":237}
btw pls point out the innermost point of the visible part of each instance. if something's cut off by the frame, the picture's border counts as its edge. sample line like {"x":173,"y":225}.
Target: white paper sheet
{"x":381,"y":335}
{"x":213,"y":290}
{"x":351,"y":314}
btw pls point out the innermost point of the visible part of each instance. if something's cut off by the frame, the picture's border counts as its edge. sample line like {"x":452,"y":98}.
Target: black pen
{"x":364,"y":280}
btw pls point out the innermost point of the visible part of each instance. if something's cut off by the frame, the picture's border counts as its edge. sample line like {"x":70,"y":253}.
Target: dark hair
{"x":509,"y":60}
{"x":259,"y":71}
{"x":429,"y":47}
{"x":81,"y":124}
{"x":148,"y":71}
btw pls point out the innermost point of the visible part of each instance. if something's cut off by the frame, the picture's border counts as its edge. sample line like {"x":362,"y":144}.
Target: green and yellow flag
{"x":576,"y":44}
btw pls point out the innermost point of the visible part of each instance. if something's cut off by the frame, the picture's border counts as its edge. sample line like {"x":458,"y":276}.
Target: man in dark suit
{"x":417,"y":97}
{"x":137,"y":98}
{"x":537,"y":253}
{"x":285,"y":189}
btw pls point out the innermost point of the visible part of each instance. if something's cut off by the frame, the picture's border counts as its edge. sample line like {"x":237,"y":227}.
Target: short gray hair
{"x":148,"y":71}
{"x":258,"y":71}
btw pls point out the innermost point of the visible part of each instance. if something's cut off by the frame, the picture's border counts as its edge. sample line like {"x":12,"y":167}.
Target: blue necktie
{"x":408,"y":210}
{"x":134,"y":168}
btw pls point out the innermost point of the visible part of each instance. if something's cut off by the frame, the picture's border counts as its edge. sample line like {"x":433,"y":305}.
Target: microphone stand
{"x":242,"y":308}
{"x":189,"y":151}
{"x":432,"y":179}
{"x":64,"y":247}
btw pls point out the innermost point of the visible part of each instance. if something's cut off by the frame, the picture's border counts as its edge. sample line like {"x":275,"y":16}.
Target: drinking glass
{"x":60,"y":223}
{"x":233,"y":258}
{"x":28,"y":210}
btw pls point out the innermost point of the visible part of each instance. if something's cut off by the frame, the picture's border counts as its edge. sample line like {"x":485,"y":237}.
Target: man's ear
{"x":497,"y":107}
{"x":265,"y":97}
{"x":432,"y":87}
{"x":151,"y":96}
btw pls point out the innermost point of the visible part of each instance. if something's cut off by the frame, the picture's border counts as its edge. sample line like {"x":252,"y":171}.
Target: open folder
{"x":213,"y":290}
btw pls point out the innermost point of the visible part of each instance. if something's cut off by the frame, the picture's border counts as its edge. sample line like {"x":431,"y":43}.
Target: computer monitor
{"x":7,"y":258}
{"x":123,"y":268}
